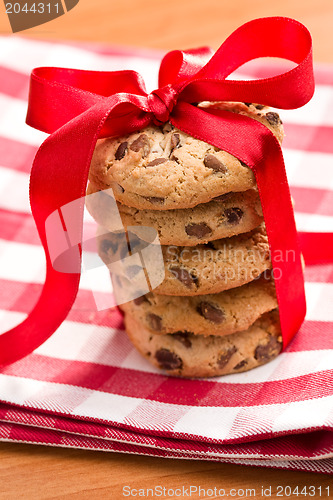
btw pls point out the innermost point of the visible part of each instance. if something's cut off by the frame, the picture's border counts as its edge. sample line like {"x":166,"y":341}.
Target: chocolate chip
{"x":183,"y":275}
{"x":121,"y":151}
{"x":273,"y":118}
{"x":155,"y":162}
{"x":260,"y":106}
{"x":210,"y":161}
{"x":173,"y":157}
{"x":210,"y":312}
{"x":154,"y":200}
{"x":183,"y":337}
{"x":106,"y":245}
{"x":132,"y":271}
{"x":174,"y":142}
{"x":167,"y":127}
{"x":247,"y":104}
{"x":142,"y":142}
{"x":135,"y":241}
{"x":155,"y":322}
{"x":226,"y":356}
{"x":267,"y":351}
{"x":140,"y":300}
{"x":168,"y":360}
{"x":240,"y":364}
{"x":199,"y":230}
{"x":233,"y":215}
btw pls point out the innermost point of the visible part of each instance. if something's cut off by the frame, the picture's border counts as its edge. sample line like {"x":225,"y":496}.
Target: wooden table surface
{"x":35,"y":472}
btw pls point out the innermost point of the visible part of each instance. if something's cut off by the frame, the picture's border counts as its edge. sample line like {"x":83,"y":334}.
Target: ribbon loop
{"x":64,"y":93}
{"x":179,"y":65}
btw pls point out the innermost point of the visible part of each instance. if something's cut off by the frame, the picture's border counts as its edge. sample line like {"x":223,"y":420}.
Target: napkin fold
{"x":87,"y":387}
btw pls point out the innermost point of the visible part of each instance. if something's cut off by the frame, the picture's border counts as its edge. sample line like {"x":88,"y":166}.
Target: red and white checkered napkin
{"x":86,"y":387}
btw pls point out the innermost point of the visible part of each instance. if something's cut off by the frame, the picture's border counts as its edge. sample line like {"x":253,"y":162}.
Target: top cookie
{"x":166,"y":168}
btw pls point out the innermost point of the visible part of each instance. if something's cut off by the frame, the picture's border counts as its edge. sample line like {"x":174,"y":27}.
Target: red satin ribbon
{"x":77,"y":107}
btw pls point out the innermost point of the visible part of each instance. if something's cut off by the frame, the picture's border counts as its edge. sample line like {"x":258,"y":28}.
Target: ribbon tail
{"x":58,"y":177}
{"x":44,"y":319}
{"x":260,"y":150}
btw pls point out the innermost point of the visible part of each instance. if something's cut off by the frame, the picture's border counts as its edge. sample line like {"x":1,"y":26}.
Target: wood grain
{"x":34,"y":472}
{"x":180,"y":24}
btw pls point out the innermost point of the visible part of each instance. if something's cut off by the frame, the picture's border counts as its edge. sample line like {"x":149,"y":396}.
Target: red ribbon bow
{"x":77,"y":107}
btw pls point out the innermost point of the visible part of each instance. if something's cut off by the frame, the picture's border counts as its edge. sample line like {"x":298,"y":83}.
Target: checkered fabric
{"x":87,"y":387}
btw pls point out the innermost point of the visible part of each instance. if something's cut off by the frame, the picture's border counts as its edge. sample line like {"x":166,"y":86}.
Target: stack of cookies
{"x":215,"y":311}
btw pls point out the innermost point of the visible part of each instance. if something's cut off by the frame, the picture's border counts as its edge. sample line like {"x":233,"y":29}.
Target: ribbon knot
{"x":161,"y":103}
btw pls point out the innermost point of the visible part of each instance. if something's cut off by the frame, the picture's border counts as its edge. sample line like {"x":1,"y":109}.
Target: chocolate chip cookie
{"x":226,"y":215}
{"x":187,"y":355}
{"x":205,"y":269}
{"x":219,"y":314}
{"x":165,"y":168}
